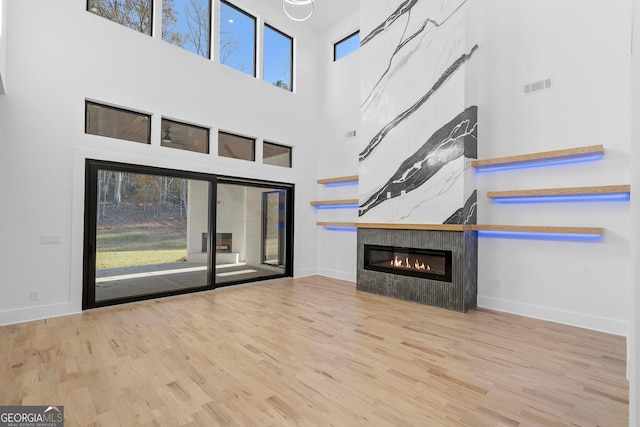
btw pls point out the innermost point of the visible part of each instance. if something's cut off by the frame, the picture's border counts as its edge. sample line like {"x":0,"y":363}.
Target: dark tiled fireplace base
{"x":459,"y":295}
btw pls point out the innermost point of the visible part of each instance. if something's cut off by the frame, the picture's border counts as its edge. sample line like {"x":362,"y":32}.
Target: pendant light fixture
{"x":298,"y":10}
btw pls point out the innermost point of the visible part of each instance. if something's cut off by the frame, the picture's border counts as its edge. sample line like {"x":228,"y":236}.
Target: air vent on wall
{"x":540,"y":85}
{"x":350,"y":134}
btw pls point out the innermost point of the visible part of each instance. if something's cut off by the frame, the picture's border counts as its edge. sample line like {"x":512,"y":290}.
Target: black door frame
{"x":92,"y":167}
{"x":281,"y":224}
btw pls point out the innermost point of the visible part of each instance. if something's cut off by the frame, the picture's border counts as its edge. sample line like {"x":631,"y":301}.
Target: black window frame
{"x":255,"y":37}
{"x":291,"y":53}
{"x":87,"y":102}
{"x":335,"y":45}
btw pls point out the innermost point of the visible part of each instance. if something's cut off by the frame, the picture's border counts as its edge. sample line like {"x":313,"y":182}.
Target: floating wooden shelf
{"x":335,"y":202}
{"x":434,"y":227}
{"x":338,"y":179}
{"x":337,"y":224}
{"x":594,"y":231}
{"x":540,"y":157}
{"x":537,"y":229}
{"x":571,"y":191}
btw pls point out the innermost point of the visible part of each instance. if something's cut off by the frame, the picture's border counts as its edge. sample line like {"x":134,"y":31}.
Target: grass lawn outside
{"x":140,"y":245}
{"x":132,"y":258}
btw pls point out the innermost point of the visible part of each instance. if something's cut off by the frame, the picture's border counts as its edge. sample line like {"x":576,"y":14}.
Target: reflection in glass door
{"x":252,"y":220}
{"x":273,"y":227}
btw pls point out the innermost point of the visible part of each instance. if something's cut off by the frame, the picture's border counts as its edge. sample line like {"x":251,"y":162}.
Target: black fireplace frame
{"x":448,"y":255}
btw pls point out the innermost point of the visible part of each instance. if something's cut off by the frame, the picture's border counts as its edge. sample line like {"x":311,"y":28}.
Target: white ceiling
{"x":328,"y":12}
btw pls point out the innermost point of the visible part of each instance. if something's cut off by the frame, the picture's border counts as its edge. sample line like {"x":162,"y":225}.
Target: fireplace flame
{"x":419,"y":266}
{"x":397,"y":262}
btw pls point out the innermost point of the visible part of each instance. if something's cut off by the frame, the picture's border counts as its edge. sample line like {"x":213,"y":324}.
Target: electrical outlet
{"x":497,"y":282}
{"x":35,"y":295}
{"x":50,"y":239}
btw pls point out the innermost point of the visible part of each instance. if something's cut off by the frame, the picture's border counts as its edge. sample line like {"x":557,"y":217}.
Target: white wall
{"x":54,"y":67}
{"x":338,"y":154}
{"x":3,"y":43}
{"x":584,"y":284}
{"x":634,"y":335}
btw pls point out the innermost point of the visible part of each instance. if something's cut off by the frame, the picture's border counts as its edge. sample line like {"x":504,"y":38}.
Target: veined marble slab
{"x":436,"y":169}
{"x":413,"y":55}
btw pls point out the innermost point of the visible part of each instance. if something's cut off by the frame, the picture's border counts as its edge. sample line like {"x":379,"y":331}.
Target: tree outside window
{"x":237,"y":39}
{"x":278,"y":58}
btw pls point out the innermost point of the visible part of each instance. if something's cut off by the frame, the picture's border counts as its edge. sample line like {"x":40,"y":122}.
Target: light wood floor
{"x":312,"y":351}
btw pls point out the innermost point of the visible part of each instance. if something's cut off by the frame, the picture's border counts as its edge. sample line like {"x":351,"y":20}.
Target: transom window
{"x":276,"y":154}
{"x":236,"y":146}
{"x":184,"y":137}
{"x":347,"y":45}
{"x":117,"y":123}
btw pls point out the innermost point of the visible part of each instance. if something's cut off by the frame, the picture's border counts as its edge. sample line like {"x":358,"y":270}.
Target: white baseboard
{"x":306,"y":272}
{"x":602,"y":324}
{"x":28,"y":314}
{"x":337,"y":274}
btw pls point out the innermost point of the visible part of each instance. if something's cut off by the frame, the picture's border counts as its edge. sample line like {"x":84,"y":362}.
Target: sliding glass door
{"x":251,"y":220}
{"x":148,"y":232}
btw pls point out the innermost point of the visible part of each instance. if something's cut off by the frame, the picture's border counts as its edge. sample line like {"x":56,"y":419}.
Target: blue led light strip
{"x":565,"y":198}
{"x":539,"y":163}
{"x":340,"y":228}
{"x":341,"y":183}
{"x":540,"y":236}
{"x":339,"y":206}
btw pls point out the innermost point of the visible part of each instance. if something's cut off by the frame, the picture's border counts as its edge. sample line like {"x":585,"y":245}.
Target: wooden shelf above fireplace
{"x":387,"y":226}
{"x":542,"y":229}
{"x":434,"y":227}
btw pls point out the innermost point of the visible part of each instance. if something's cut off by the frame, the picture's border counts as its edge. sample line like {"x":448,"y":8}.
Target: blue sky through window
{"x":346,"y":46}
{"x":237,"y":39}
{"x":191,"y":28}
{"x":278,"y":50}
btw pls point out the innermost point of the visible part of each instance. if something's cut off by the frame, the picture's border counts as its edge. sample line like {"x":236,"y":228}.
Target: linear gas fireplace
{"x":432,"y":267}
{"x":416,"y":262}
{"x":223,"y":242}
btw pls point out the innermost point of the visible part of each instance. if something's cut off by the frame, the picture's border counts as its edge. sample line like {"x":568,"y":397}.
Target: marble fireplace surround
{"x":459,"y":295}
